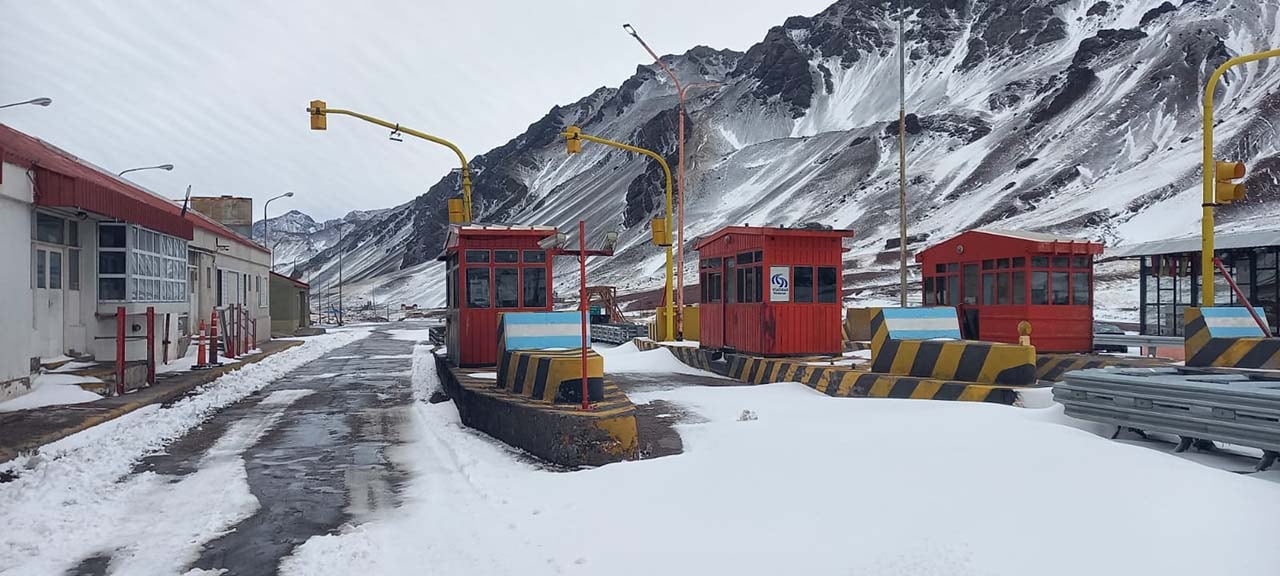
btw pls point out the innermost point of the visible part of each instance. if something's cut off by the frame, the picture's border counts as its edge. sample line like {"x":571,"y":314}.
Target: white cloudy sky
{"x":219,"y":88}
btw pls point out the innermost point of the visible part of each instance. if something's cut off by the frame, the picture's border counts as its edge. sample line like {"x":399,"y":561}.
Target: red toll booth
{"x":491,"y":269}
{"x":998,"y":278}
{"x":772,"y":291}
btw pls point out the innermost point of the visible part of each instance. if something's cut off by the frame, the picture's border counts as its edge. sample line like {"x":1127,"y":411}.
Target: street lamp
{"x":680,"y":92}
{"x":165,"y":167}
{"x":266,"y":226}
{"x":33,"y":102}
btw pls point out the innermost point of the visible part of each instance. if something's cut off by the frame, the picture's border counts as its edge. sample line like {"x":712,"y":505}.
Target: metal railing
{"x":617,"y":333}
{"x":1197,"y":405}
{"x":1146,"y":343}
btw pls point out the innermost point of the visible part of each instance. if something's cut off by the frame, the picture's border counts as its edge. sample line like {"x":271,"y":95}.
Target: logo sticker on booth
{"x":779,"y":283}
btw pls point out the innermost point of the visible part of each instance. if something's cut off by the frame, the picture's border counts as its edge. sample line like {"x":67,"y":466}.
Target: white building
{"x":78,"y":243}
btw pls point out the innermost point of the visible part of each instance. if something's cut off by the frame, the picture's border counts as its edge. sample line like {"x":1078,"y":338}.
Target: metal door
{"x":50,"y":283}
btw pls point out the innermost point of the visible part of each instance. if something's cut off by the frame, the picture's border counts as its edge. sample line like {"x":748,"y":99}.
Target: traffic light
{"x":661,"y":236}
{"x":1224,"y":190}
{"x":573,"y":139}
{"x":318,"y":118}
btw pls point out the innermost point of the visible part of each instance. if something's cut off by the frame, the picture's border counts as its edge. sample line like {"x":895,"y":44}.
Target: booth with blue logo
{"x":772,"y":291}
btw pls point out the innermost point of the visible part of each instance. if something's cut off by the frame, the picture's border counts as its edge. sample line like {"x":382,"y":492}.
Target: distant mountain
{"x":296,"y":237}
{"x":1073,"y":117}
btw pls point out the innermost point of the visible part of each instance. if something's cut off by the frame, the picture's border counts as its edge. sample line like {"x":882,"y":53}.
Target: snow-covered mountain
{"x":295,"y":237}
{"x":1072,"y":116}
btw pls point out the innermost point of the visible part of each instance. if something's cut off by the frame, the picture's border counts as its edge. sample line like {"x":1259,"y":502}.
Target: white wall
{"x":17,"y":327}
{"x":228,"y":255}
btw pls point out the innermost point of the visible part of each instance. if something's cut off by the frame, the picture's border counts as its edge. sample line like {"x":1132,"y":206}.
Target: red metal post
{"x":1217,"y":262}
{"x":120,"y":341}
{"x":213,"y":337}
{"x":582,"y":274}
{"x":254,"y":334}
{"x":244,"y":326}
{"x":164,"y":344}
{"x":151,"y":345}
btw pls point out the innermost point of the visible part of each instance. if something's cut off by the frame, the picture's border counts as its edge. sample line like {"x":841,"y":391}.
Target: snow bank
{"x":68,"y":501}
{"x":52,"y":390}
{"x":817,"y":485}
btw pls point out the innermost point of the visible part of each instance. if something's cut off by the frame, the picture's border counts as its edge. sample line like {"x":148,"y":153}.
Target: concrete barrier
{"x":551,"y":376}
{"x":558,"y":433}
{"x":845,"y":382}
{"x":1051,"y":367}
{"x":1228,"y":337}
{"x":914,"y":342}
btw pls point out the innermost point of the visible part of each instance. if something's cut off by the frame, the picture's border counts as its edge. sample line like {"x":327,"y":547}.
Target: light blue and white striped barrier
{"x":1233,"y":322}
{"x":540,"y":331}
{"x":920,"y":323}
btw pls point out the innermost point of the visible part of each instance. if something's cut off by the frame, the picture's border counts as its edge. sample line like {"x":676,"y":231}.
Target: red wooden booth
{"x":491,"y":269}
{"x":997,"y":278}
{"x":772,"y":291}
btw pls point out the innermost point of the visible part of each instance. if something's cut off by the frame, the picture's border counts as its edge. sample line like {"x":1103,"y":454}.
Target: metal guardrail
{"x":617,"y":333}
{"x":1223,"y":405}
{"x":1136,"y":340}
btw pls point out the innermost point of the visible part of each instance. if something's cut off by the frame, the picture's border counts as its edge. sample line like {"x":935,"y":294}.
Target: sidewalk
{"x":29,"y":429}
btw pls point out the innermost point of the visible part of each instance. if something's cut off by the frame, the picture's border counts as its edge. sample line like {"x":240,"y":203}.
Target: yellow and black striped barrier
{"x":551,"y":376}
{"x":924,"y":343}
{"x":1228,"y":337}
{"x":1051,"y":367}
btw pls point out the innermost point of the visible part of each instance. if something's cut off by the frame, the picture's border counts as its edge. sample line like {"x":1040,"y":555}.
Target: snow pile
{"x":628,"y":358}
{"x":52,"y":390}
{"x":816,"y":485}
{"x":66,"y":502}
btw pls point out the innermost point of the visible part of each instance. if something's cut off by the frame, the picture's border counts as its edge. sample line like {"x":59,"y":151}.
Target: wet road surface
{"x":314,"y":445}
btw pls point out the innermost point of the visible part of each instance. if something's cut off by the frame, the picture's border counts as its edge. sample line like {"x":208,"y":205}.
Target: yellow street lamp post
{"x":573,"y":137}
{"x":1236,"y":191}
{"x":462,"y":214}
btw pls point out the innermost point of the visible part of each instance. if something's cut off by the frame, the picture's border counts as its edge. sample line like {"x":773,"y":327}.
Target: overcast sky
{"x":219,"y":88}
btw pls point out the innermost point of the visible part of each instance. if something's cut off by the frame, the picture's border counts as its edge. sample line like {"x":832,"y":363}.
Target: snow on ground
{"x":185,"y":363}
{"x":412,"y":335}
{"x":52,"y":390}
{"x":628,"y":358}
{"x":814,"y":485}
{"x":68,"y":501}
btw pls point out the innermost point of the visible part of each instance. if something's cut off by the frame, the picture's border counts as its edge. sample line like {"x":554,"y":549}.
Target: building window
{"x":506,"y":285}
{"x":1019,"y":286}
{"x":138,"y":265}
{"x":828,"y":284}
{"x":477,"y":256}
{"x":988,"y":288}
{"x":970,"y":283}
{"x":478,"y":286}
{"x":41,"y":272}
{"x":802,"y":283}
{"x":50,"y":229}
{"x":1060,"y":293}
{"x":535,"y":287}
{"x":534,"y":256}
{"x":73,"y":268}
{"x":55,"y":270}
{"x":506,"y":256}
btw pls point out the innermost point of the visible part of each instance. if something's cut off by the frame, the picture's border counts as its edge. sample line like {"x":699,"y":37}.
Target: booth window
{"x":1039,"y":287}
{"x":506,"y":256}
{"x":451,"y":281}
{"x":988,"y":288}
{"x":730,"y":282}
{"x":802,"y":283}
{"x":506,"y":285}
{"x":970,"y":283}
{"x":534,"y":256}
{"x":1060,"y":293}
{"x":1019,"y":279}
{"x":478,"y":287}
{"x":535,"y":287}
{"x":477,"y":256}
{"x":1079,"y":287}
{"x":713,"y":287}
{"x":828,"y":284}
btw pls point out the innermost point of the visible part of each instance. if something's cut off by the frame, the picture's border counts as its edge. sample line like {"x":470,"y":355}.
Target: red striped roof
{"x":62,"y":180}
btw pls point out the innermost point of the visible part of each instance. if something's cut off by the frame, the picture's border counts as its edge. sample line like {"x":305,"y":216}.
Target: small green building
{"x":290,"y":310}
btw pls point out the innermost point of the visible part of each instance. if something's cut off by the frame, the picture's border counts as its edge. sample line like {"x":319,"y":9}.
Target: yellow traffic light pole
{"x":1206,"y":222}
{"x":319,"y":111}
{"x":573,"y":140}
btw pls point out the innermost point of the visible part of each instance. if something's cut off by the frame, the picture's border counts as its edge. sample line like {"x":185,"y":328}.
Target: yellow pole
{"x":466,"y":172}
{"x":1206,"y":221}
{"x":668,"y":309}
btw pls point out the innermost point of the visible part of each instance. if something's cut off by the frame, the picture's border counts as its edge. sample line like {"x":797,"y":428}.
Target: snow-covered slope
{"x":1074,"y":116}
